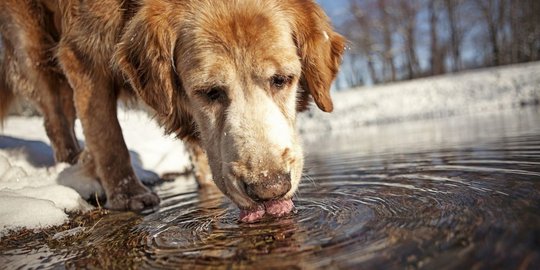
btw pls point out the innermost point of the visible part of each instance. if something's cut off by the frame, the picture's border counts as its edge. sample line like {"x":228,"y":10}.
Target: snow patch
{"x":31,"y":198}
{"x":479,"y":91}
{"x":37,"y":193}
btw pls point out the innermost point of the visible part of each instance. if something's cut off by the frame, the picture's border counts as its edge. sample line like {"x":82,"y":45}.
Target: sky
{"x":333,"y":8}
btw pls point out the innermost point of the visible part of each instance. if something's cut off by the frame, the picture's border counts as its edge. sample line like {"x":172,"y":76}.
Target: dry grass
{"x":25,"y":237}
{"x":99,"y":239}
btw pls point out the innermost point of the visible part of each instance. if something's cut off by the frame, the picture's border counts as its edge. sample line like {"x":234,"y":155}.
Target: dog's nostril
{"x":250,"y":190}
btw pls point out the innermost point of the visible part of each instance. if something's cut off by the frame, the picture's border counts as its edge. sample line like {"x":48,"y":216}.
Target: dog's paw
{"x":143,"y":201}
{"x":133,"y":200}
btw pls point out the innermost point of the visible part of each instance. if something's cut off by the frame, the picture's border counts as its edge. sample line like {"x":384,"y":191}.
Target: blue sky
{"x":330,"y":5}
{"x":333,"y":8}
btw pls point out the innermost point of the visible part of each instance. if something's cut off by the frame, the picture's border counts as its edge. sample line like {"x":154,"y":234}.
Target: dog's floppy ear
{"x":145,"y":56}
{"x":320,"y":50}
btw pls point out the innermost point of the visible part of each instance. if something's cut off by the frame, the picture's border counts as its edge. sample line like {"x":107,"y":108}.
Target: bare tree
{"x":493,"y":14}
{"x":524,"y":22}
{"x":436,"y":59}
{"x":388,"y":37}
{"x":353,"y":74}
{"x":456,"y":34}
{"x":388,"y":47}
{"x":409,"y":13}
{"x":363,"y":37}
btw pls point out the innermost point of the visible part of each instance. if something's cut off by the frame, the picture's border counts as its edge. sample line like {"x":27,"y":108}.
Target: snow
{"x":471,"y":92}
{"x":35,"y":192}
{"x":30,"y":196}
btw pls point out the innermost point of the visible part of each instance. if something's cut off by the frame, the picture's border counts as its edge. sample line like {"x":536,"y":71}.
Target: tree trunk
{"x":436,"y":61}
{"x":455,"y":35}
{"x":388,"y":55}
{"x":409,"y":13}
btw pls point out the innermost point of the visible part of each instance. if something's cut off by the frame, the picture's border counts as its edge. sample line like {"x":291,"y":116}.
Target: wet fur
{"x":66,"y":55}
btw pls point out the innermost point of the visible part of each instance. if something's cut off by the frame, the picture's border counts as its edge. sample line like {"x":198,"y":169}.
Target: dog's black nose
{"x":270,"y":186}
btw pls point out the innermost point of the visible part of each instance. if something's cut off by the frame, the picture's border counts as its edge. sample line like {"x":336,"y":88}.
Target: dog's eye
{"x":215,"y":93}
{"x":280,"y":81}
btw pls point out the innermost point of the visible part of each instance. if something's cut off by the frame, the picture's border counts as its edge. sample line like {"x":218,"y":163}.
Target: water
{"x":439,"y":194}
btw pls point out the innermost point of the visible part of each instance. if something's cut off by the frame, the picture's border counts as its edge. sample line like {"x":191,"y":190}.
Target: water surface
{"x":454,"y":193}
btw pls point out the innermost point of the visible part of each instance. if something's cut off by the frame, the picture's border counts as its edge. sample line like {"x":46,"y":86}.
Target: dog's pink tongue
{"x":274,"y":208}
{"x":251,"y":215}
{"x":279,"y":208}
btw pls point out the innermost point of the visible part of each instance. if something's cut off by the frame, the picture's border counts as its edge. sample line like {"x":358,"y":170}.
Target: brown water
{"x":454,"y":193}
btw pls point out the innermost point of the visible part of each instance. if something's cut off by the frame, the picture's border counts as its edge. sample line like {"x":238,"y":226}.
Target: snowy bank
{"x":31,"y":198}
{"x":35,"y":193}
{"x":484,"y":90}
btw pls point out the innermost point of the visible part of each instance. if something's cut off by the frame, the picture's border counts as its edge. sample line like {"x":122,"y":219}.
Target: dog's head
{"x":232,"y":75}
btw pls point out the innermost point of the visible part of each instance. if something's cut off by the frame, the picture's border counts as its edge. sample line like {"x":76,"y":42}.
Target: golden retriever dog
{"x":225,"y":76}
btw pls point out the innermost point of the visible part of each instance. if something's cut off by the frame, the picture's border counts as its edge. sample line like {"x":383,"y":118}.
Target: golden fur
{"x":226,"y":76}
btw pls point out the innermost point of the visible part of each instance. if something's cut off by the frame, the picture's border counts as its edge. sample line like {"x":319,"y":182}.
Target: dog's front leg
{"x":199,"y":161}
{"x":96,"y":104}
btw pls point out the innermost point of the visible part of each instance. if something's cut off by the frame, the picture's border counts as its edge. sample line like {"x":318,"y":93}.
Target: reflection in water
{"x":457,"y":193}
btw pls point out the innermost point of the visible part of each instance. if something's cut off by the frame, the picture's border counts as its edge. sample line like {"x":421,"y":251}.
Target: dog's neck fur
{"x":130,"y":7}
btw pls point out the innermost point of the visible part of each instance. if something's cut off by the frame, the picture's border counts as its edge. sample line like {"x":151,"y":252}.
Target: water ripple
{"x":352,"y":208}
